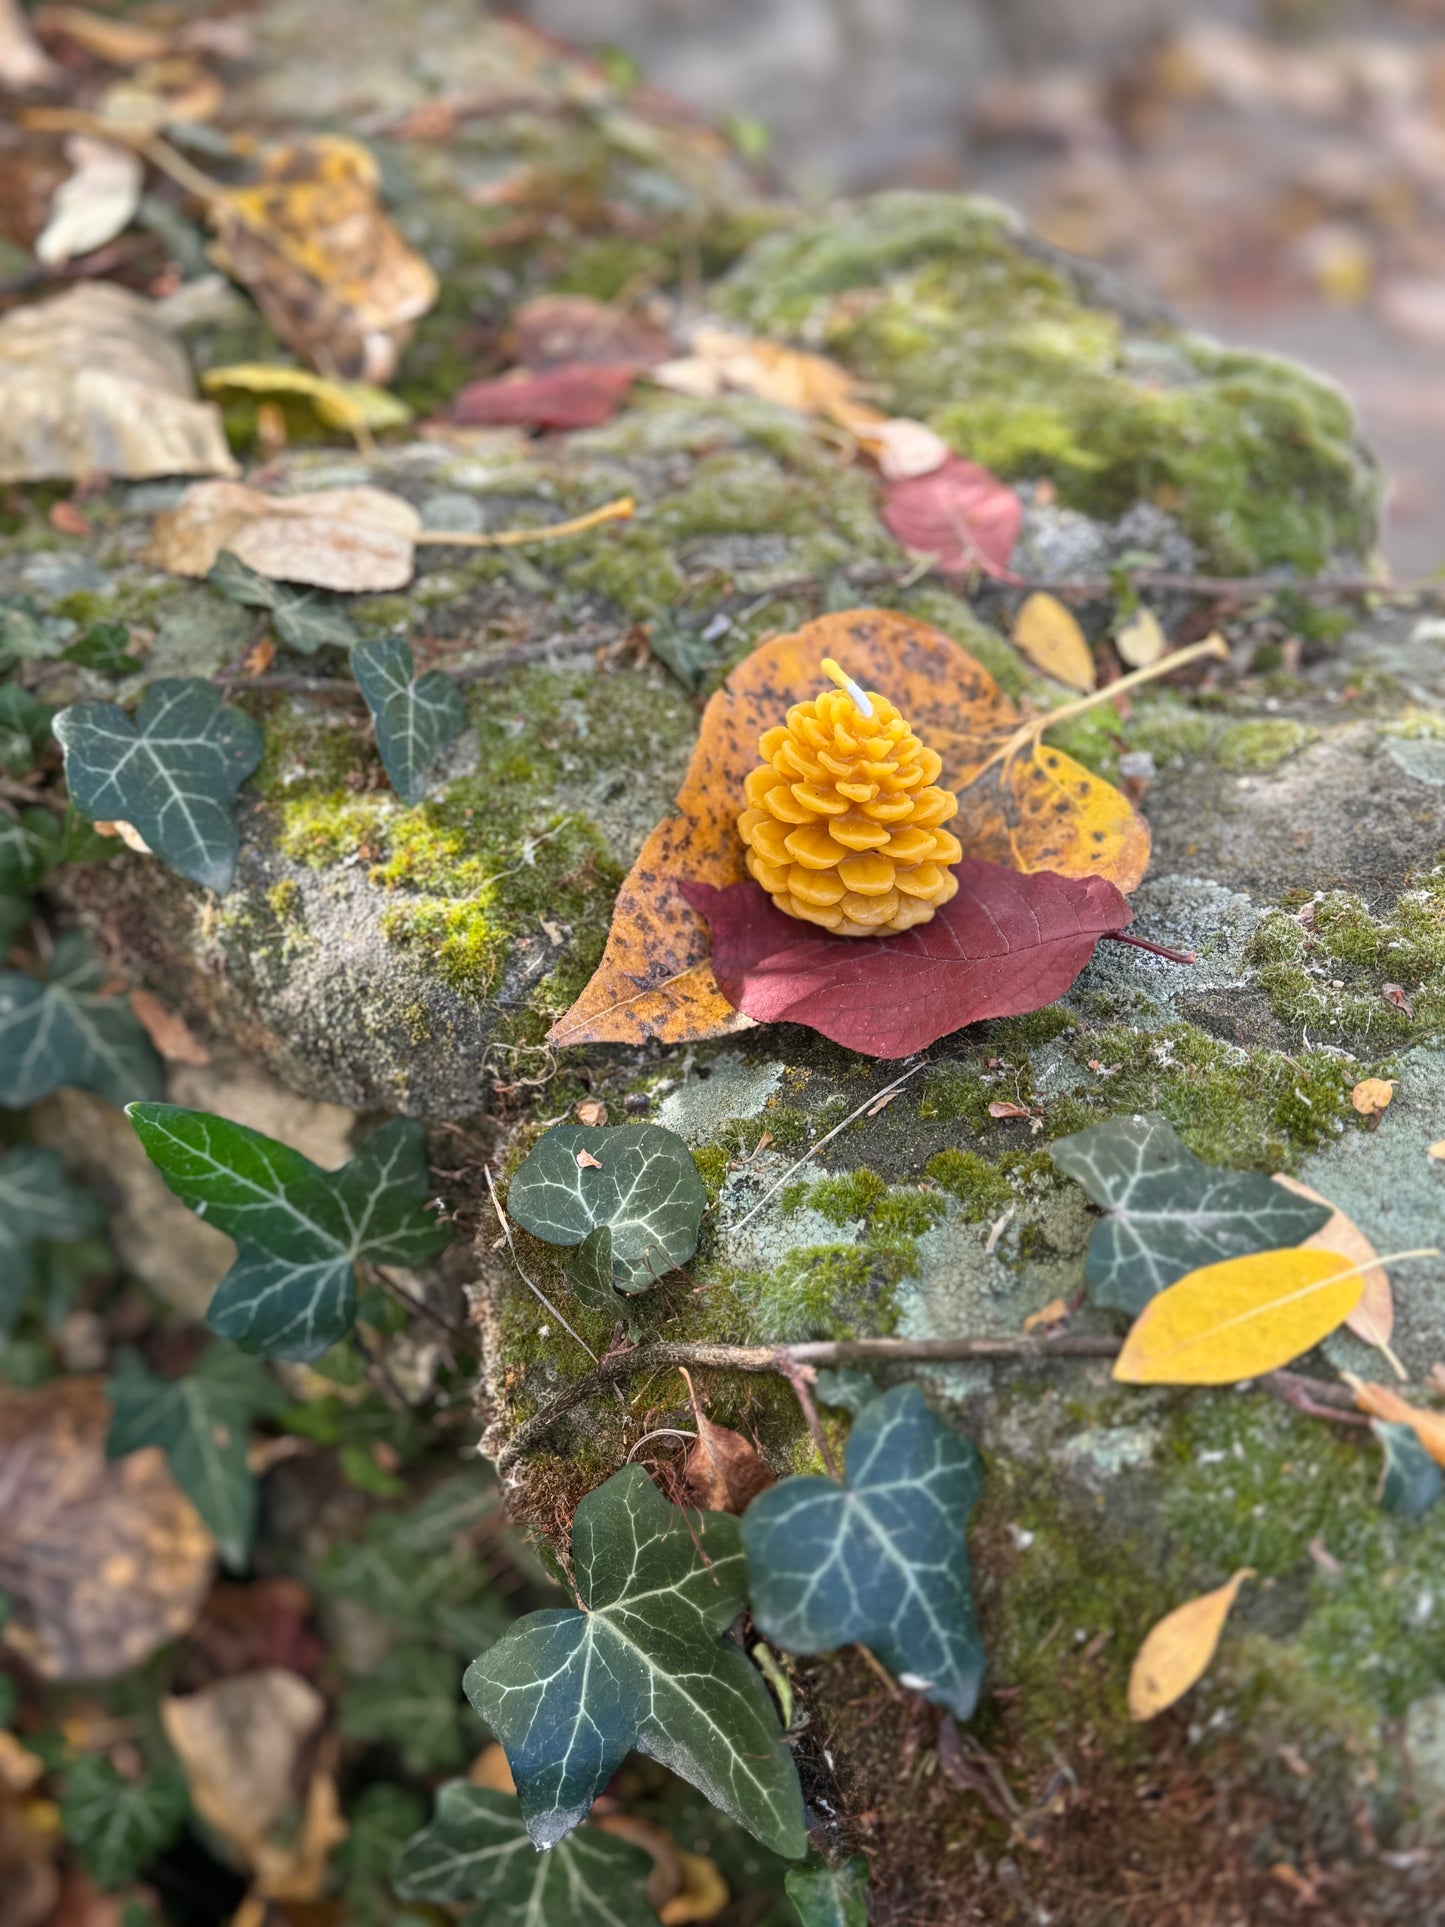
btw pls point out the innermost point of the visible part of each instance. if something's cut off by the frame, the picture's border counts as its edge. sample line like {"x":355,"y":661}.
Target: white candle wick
{"x":861,"y":701}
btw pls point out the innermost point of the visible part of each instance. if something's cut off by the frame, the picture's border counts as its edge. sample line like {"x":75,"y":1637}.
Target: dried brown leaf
{"x":239,"y":1741}
{"x":351,"y":539}
{"x":724,"y":1471}
{"x":168,"y":1030}
{"x":1373,"y":1318}
{"x":1371,"y":1095}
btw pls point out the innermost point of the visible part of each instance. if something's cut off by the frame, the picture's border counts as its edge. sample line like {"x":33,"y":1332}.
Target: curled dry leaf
{"x":772,"y":372}
{"x":1372,"y":1094}
{"x":1239,"y":1319}
{"x":902,"y":448}
{"x":724,"y":1471}
{"x":168,"y":1030}
{"x":583,"y":395}
{"x":1176,"y":1653}
{"x":104,"y":1561}
{"x":1373,"y":1318}
{"x":1380,"y":1402}
{"x":95,"y":203}
{"x":354,"y":539}
{"x":1141,"y":640}
{"x":327,"y":268}
{"x":239,"y":1741}
{"x":1049,"y":635}
{"x":958,"y":513}
{"x":92,"y":383}
{"x":1030,"y":809}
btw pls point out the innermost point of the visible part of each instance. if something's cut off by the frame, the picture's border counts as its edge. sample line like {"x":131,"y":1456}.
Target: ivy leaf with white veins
{"x":118,"y":1825}
{"x":299,"y":1230}
{"x":1169,"y":1213}
{"x":67,"y":1031}
{"x":477,"y":1848}
{"x":411,"y":1700}
{"x":302,"y":619}
{"x":637,"y":1182}
{"x":416,"y":716}
{"x":830,"y":1896}
{"x":173,"y":773}
{"x":880,"y":1560}
{"x":644,"y":1664}
{"x":202,"y":1423}
{"x":37,"y":1201}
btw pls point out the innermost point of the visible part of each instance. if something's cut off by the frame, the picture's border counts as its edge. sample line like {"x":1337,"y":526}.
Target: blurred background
{"x":1276,"y":172}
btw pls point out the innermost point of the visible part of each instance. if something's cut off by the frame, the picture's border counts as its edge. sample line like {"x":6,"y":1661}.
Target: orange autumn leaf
{"x":1030,"y":808}
{"x":1373,"y":1319}
{"x":1371,"y":1095}
{"x":1176,"y":1653}
{"x":1380,"y":1402}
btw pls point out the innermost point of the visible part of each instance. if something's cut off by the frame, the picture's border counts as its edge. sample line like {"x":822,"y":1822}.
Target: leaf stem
{"x":534,"y":1288}
{"x":620,"y":510}
{"x":801,"y":1378}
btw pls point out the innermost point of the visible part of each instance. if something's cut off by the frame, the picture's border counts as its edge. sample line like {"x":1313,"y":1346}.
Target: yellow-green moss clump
{"x":940,"y":305}
{"x":1330,"y":972}
{"x":1263,"y":744}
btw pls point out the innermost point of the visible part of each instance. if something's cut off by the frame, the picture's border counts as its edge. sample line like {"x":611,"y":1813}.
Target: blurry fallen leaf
{"x":118,"y":42}
{"x":238,"y":1742}
{"x":1006,"y":944}
{"x":104,"y":1561}
{"x":1373,"y":1318}
{"x":586,"y":1162}
{"x":583,"y":395}
{"x":724,"y":1471}
{"x":94,"y":205}
{"x":555,"y":329}
{"x":960,"y":514}
{"x":1372,"y":1094}
{"x":68,"y":519}
{"x":1176,"y":1652}
{"x":90,"y":382}
{"x":259,"y":657}
{"x":1029,"y":806}
{"x":128,"y":834}
{"x":297,"y":1869}
{"x":901,"y":448}
{"x":355,"y":407}
{"x":23,"y":61}
{"x":29,"y":1829}
{"x":1395,"y":995}
{"x":1053,"y":1313}
{"x":703,"y":1896}
{"x":1049,"y":635}
{"x":592,"y":1112}
{"x":326,"y":266}
{"x":1000,"y":1107}
{"x":1410,"y":1479}
{"x":491,"y":1769}
{"x":1141,"y":640}
{"x":168,"y":1030}
{"x":19,"y":1767}
{"x":1380,"y":1402}
{"x":1239,"y":1319}
{"x":1436,"y":1150}
{"x":772,"y":372}
{"x":665,"y":1881}
{"x":263,"y":1622}
{"x":163,"y":93}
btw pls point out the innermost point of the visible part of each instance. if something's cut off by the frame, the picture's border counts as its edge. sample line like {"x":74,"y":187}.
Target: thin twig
{"x":622,"y":510}
{"x":533,"y":1287}
{"x":801,"y":1378}
{"x":424,"y":1310}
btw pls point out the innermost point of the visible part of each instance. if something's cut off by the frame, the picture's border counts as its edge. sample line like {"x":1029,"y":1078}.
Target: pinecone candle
{"x":843,"y":824}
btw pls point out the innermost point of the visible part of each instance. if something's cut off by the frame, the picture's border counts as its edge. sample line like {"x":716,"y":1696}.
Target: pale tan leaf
{"x":1048,"y":634}
{"x":1141,"y":640}
{"x":97,"y":201}
{"x":351,"y":539}
{"x":120,"y":43}
{"x":23,"y":61}
{"x":1176,"y":1653}
{"x":772,"y":372}
{"x":239,"y":1741}
{"x":168,"y":1030}
{"x":1436,"y":1150}
{"x":1373,"y":1319}
{"x":1372,"y":1094}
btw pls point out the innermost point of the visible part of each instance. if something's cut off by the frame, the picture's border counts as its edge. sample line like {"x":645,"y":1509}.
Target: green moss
{"x":321,"y":829}
{"x":1263,"y":744}
{"x":1169,"y":730}
{"x":978,"y":1186}
{"x":712,"y":1163}
{"x":1331,"y":973}
{"x":285,"y":900}
{"x":464,"y":946}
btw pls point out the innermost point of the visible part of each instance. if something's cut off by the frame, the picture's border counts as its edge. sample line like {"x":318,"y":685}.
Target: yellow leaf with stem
{"x":1176,"y":1653}
{"x":1049,"y":635}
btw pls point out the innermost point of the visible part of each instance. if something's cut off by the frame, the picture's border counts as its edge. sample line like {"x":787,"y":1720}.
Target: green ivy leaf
{"x":830,"y":1896}
{"x":644,"y":1664}
{"x":118,"y":1825}
{"x":173,"y":773}
{"x":37,"y":1201}
{"x":411,"y":1700}
{"x":24,"y":632}
{"x":1410,"y":1480}
{"x":299,"y":1229}
{"x":381,"y":1818}
{"x":15,"y":913}
{"x":303,"y":620}
{"x":420,"y":1568}
{"x":477,"y":1848}
{"x":1168,"y":1213}
{"x":643,"y":1191}
{"x":416,"y":716}
{"x":881,"y":1559}
{"x":27,"y":844}
{"x":65,"y":1031}
{"x":105,"y":647}
{"x":202,"y":1423}
{"x":24,"y":728}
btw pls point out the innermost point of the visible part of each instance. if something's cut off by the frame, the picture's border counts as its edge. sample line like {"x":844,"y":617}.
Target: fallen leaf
{"x":1410,"y":1479}
{"x":91,"y":382}
{"x":901,"y":447}
{"x":556,"y":329}
{"x":960,"y":514}
{"x":1036,"y":809}
{"x":19,"y":1767}
{"x":23,"y":61}
{"x":1053,"y":1313}
{"x":586,"y":1162}
{"x":356,"y":407}
{"x":1436,"y":1150}
{"x":327,"y":268}
{"x":259,"y":657}
{"x":592,"y":1112}
{"x":68,"y":519}
{"x":724,"y":1471}
{"x":104,"y":1561}
{"x":1380,"y":1402}
{"x":1007,"y":943}
{"x":1372,"y":1094}
{"x":355,"y":539}
{"x":584,"y":395}
{"x":128,"y":834}
{"x":703,"y":1895}
{"x":1141,"y":640}
{"x":1176,"y":1653}
{"x":772,"y":372}
{"x":1239,"y":1319}
{"x":1373,"y":1319}
{"x":239,"y":1741}
{"x":95,"y":204}
{"x":118,"y":42}
{"x":1049,"y":635}
{"x":1000,"y":1107}
{"x":1395,"y":995}
{"x":168,"y":1030}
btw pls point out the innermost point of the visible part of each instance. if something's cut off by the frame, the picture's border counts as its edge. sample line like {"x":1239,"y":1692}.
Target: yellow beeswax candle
{"x":843,"y":824}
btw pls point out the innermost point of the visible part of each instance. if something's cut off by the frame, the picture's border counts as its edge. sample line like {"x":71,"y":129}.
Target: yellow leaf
{"x":1436,"y":1150}
{"x":356,"y":407}
{"x":1239,"y":1319}
{"x":1373,"y":1319}
{"x":1141,"y":640}
{"x":1046,"y":632}
{"x":1380,"y":1402}
{"x":1372,"y":1094}
{"x":1177,"y":1651}
{"x":772,"y":372}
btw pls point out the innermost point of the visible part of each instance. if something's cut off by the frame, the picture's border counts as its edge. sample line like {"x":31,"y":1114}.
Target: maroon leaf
{"x":1006,"y":944}
{"x":584,"y":395}
{"x":960,"y":514}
